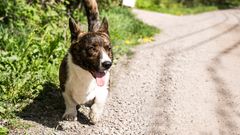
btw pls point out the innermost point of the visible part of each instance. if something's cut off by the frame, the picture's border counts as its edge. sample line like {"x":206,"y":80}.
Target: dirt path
{"x":184,"y":83}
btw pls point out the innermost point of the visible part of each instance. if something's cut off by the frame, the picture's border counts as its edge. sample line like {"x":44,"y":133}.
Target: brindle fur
{"x":85,"y":48}
{"x":63,"y":73}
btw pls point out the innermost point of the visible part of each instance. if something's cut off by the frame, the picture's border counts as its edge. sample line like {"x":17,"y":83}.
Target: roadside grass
{"x":174,"y":8}
{"x":184,"y":10}
{"x":127,"y":31}
{"x":3,"y":130}
{"x":33,"y":41}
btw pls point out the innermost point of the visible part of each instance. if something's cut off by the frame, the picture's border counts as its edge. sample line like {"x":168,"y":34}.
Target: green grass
{"x":33,"y":41}
{"x":3,"y":130}
{"x":174,"y":8}
{"x":126,"y":30}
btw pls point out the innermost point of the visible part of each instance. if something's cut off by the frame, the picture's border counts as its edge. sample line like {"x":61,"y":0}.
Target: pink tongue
{"x":100,"y":78}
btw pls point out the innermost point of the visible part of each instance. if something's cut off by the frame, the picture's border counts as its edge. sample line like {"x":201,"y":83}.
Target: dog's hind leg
{"x":98,"y":105}
{"x":71,"y":111}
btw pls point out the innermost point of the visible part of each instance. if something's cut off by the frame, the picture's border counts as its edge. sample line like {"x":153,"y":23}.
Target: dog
{"x":85,"y":70}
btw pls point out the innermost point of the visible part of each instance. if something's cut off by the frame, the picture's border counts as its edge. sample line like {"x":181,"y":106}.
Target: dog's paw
{"x":70,"y":116}
{"x":94,"y":117}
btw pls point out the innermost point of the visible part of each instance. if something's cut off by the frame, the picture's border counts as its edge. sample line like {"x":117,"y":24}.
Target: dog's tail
{"x":92,"y":12}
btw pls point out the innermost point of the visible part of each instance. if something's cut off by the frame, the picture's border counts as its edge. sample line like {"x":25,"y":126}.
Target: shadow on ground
{"x":48,"y":107}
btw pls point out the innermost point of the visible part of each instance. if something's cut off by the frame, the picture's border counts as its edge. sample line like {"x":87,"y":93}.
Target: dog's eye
{"x":108,"y":48}
{"x":91,"y":48}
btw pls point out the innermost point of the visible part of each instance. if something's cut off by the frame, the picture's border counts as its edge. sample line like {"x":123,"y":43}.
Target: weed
{"x":3,"y":130}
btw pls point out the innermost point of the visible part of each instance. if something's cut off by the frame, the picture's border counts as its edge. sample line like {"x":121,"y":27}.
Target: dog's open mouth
{"x":100,"y":78}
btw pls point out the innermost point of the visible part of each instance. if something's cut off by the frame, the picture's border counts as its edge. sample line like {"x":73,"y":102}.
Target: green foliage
{"x":217,"y":3}
{"x":3,"y":131}
{"x":182,"y":7}
{"x":34,"y":39}
{"x":108,"y":4}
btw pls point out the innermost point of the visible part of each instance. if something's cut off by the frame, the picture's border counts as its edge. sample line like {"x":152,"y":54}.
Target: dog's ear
{"x":74,"y":29}
{"x":104,"y":26}
{"x":95,"y":27}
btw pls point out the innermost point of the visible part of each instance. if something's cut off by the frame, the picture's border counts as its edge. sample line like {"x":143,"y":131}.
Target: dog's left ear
{"x":104,"y":26}
{"x":74,"y":28}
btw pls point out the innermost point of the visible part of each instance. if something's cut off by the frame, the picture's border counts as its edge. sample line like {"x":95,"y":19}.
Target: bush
{"x":3,"y":130}
{"x":31,"y":40}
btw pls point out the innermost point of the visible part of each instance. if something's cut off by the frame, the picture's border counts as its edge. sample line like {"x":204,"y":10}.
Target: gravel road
{"x":184,"y":83}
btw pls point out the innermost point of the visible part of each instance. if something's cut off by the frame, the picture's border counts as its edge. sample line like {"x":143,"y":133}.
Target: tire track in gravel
{"x":227,"y":110}
{"x":193,"y":33}
{"x":213,"y":37}
{"x":166,"y":79}
{"x":230,"y":125}
{"x":173,"y":53}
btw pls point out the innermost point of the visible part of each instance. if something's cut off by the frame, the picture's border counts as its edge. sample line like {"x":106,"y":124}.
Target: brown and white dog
{"x":84,"y":71}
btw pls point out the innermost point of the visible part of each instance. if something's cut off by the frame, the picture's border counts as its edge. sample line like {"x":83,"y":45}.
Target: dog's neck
{"x":78,"y":73}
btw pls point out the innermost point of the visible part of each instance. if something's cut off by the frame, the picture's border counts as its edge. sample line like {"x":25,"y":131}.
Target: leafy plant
{"x":3,"y":131}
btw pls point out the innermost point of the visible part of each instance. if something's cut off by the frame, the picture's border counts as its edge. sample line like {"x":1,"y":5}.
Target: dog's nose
{"x":107,"y":64}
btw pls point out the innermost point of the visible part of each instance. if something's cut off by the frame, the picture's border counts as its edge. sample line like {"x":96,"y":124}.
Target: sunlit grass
{"x":174,"y":8}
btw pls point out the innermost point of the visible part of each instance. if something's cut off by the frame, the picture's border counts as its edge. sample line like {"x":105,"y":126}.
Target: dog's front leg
{"x":98,"y":105}
{"x":71,"y":111}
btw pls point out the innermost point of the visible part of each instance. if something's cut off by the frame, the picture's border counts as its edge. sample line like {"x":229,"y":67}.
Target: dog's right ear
{"x":74,"y":29}
{"x":104,"y":26}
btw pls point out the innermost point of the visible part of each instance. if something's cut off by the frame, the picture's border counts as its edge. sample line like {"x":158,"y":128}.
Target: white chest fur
{"x":81,"y":86}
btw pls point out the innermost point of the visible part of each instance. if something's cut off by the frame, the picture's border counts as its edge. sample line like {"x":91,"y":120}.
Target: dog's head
{"x":91,"y":51}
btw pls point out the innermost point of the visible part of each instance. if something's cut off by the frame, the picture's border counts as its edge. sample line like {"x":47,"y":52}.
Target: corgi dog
{"x":84,"y":71}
